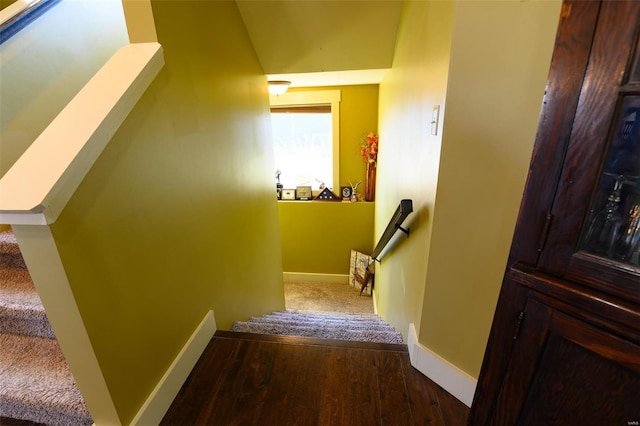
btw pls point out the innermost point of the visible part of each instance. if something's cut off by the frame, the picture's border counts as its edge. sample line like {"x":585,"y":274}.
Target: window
{"x":305,"y":134}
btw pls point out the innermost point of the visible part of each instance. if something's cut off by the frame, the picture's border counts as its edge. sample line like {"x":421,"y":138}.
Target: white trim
{"x":45,"y":177}
{"x":23,"y":218}
{"x":333,"y":78}
{"x":47,"y":272}
{"x":446,"y":375}
{"x":307,"y":97}
{"x":15,"y":9}
{"x":319,"y":97}
{"x":304,"y":276}
{"x":375,"y":301}
{"x":160,"y":399}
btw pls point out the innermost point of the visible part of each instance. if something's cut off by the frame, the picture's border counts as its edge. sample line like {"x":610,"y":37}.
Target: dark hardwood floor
{"x":247,"y":379}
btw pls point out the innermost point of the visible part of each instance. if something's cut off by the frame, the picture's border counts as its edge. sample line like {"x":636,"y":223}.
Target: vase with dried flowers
{"x":369,"y":153}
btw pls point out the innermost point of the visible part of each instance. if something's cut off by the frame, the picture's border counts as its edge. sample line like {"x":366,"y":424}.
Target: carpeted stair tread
{"x":373,"y":320}
{"x":16,"y":323}
{"x":10,"y":256}
{"x":325,"y":316}
{"x":8,"y":243}
{"x":21,"y":311}
{"x":359,"y":327}
{"x":36,"y":384}
{"x":352,"y":324}
{"x":322,"y":314}
{"x":338,"y":334}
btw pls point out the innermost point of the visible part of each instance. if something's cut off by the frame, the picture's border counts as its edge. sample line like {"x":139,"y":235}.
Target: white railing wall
{"x":38,"y":186}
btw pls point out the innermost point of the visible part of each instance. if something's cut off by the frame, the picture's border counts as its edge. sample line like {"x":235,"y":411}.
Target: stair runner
{"x":35,"y":381}
{"x":323,"y":325}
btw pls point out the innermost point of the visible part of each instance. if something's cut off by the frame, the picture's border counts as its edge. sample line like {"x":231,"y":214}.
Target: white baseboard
{"x":160,"y":399}
{"x":304,"y":276}
{"x":375,"y":301}
{"x":446,"y":375}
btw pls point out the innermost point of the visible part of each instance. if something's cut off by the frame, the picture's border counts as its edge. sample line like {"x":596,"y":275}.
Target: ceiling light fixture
{"x":278,"y":87}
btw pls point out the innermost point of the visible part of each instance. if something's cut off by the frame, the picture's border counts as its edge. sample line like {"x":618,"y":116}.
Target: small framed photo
{"x":304,"y":193}
{"x":345,"y":192}
{"x":288,"y":194}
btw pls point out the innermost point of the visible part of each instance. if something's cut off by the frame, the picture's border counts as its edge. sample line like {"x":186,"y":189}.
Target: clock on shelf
{"x":346,"y":192}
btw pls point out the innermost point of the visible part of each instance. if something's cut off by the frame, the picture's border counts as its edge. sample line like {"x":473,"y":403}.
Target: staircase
{"x":322,"y":325}
{"x":35,"y":381}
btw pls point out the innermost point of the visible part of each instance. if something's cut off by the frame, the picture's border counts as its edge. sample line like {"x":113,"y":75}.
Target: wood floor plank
{"x":349,"y":393}
{"x":394,"y":401}
{"x":6,"y":421}
{"x":332,"y":407}
{"x":250,"y":394}
{"x":264,"y":383}
{"x":423,"y":397}
{"x":307,"y":391}
{"x":279,"y":338}
{"x":363,"y":404}
{"x":454,"y":412}
{"x":279,"y":397}
{"x":202,"y":384}
{"x":218,"y":410}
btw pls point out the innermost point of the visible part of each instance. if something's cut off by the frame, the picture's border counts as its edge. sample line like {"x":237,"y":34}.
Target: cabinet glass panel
{"x":613,"y":226}
{"x":635,"y":71}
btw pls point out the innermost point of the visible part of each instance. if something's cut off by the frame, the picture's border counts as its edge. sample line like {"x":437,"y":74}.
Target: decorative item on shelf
{"x":288,"y":194}
{"x":303,"y":193}
{"x":345,"y":191}
{"x":322,"y":185}
{"x":369,"y":153}
{"x":327,"y":195}
{"x":278,"y":185}
{"x":354,"y":194}
{"x":370,"y":183}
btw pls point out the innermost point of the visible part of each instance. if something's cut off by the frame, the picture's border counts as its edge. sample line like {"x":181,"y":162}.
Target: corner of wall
{"x":140,"y":23}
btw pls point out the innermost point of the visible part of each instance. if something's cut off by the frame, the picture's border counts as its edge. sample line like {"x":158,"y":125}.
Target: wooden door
{"x":564,"y":371}
{"x":594,"y":220}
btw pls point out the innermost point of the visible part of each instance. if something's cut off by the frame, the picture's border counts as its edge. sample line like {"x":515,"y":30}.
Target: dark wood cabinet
{"x":564,"y":347}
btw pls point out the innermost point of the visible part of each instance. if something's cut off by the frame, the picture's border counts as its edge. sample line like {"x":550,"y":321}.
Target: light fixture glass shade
{"x":278,"y":87}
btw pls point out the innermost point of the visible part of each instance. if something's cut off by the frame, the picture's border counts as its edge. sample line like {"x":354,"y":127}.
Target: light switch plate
{"x":434,"y":119}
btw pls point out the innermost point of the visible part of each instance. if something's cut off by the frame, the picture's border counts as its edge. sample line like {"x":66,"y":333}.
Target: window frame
{"x":309,"y":98}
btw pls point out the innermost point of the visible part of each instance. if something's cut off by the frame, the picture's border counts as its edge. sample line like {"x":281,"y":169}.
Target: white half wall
{"x":38,"y":186}
{"x":50,"y":279}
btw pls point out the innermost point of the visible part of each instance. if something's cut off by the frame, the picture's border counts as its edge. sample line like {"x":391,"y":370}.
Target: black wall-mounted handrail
{"x":403,"y":210}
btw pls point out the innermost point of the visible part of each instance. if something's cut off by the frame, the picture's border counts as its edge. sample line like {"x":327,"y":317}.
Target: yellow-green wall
{"x":486,"y":64}
{"x":410,"y":156}
{"x":317,"y":237}
{"x":5,"y":3}
{"x":43,"y":66}
{"x":358,"y":115}
{"x":178,"y":215}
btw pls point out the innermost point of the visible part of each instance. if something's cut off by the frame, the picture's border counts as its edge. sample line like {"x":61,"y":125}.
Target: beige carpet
{"x":322,"y":325}
{"x":326,"y":297}
{"x":36,"y":384}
